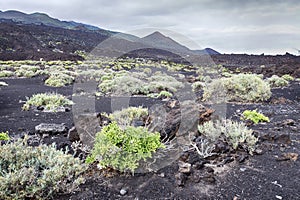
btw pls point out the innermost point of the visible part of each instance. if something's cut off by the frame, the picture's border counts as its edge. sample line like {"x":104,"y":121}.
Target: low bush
{"x":27,"y":71}
{"x":239,"y":87}
{"x":254,"y":116}
{"x":126,"y":117}
{"x":6,"y":73}
{"x":138,"y":83}
{"x":59,"y":80}
{"x":122,"y":149}
{"x":276,"y":81}
{"x":50,"y":101}
{"x":288,"y":77}
{"x":237,"y":134}
{"x":4,"y":136}
{"x":37,"y":172}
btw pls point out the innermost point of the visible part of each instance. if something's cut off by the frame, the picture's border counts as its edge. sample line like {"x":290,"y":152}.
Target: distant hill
{"x":207,"y":51}
{"x":160,"y":41}
{"x":37,"y":35}
{"x":44,"y":19}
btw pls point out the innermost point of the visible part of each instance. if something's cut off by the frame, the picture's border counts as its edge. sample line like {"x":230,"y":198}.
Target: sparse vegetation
{"x":4,"y":136}
{"x":59,"y":80}
{"x":276,"y":81}
{"x":240,"y":88}
{"x":237,"y":134}
{"x":6,"y":73}
{"x":254,"y":116}
{"x":127,"y":116}
{"x":50,"y":101}
{"x":122,"y":149}
{"x":37,"y":172}
{"x":27,"y":71}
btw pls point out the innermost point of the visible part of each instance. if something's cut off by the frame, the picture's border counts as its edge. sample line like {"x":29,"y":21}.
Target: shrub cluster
{"x":126,"y":116}
{"x":276,"y":81}
{"x":50,"y":101}
{"x":254,"y":116}
{"x":122,"y":149}
{"x":237,"y":134}
{"x":6,"y":73}
{"x":239,"y":87}
{"x":136,"y":83}
{"x":37,"y":172}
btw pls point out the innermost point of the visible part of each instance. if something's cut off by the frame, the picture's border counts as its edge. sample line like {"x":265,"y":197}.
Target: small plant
{"x":59,"y":80}
{"x":237,"y":134}
{"x":50,"y":101}
{"x":122,"y":149}
{"x":239,"y":87}
{"x":165,"y":94}
{"x":198,"y":85}
{"x":37,"y":172}
{"x":4,"y":136}
{"x":288,"y":77}
{"x":276,"y":81}
{"x":27,"y":71}
{"x":254,"y":116}
{"x":6,"y":73}
{"x":126,"y":117}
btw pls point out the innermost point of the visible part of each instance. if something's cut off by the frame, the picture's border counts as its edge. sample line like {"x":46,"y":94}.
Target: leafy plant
{"x":4,"y":136}
{"x":288,"y":77}
{"x":239,"y":87}
{"x":276,"y":81}
{"x":37,"y":172}
{"x":126,"y":117}
{"x":254,"y":116}
{"x":51,"y":101}
{"x":59,"y":80}
{"x":237,"y":134}
{"x":6,"y":73}
{"x":27,"y":71}
{"x":122,"y":149}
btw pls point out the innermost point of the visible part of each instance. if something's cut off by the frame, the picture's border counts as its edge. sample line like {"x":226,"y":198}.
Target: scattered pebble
{"x":123,"y":191}
{"x":184,"y":167}
{"x":243,"y":169}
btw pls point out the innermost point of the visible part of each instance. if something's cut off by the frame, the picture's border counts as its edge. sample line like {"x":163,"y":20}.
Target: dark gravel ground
{"x":259,"y":177}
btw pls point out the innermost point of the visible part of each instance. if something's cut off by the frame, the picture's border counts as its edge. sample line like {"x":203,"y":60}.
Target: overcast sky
{"x":228,"y":26}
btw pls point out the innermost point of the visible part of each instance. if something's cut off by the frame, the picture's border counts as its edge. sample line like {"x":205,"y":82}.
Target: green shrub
{"x":136,"y":83}
{"x":288,"y":77}
{"x":237,"y":134}
{"x":276,"y":81}
{"x":50,"y":101}
{"x":240,"y":88}
{"x":165,"y":94}
{"x":126,"y":117}
{"x":198,"y":85}
{"x":59,"y":80}
{"x":4,"y":136}
{"x":27,"y":71}
{"x":37,"y":172}
{"x":254,"y":116}
{"x":6,"y":73}
{"x":122,"y":149}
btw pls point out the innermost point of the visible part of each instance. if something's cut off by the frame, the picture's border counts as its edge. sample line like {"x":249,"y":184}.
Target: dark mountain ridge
{"x":36,"y":35}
